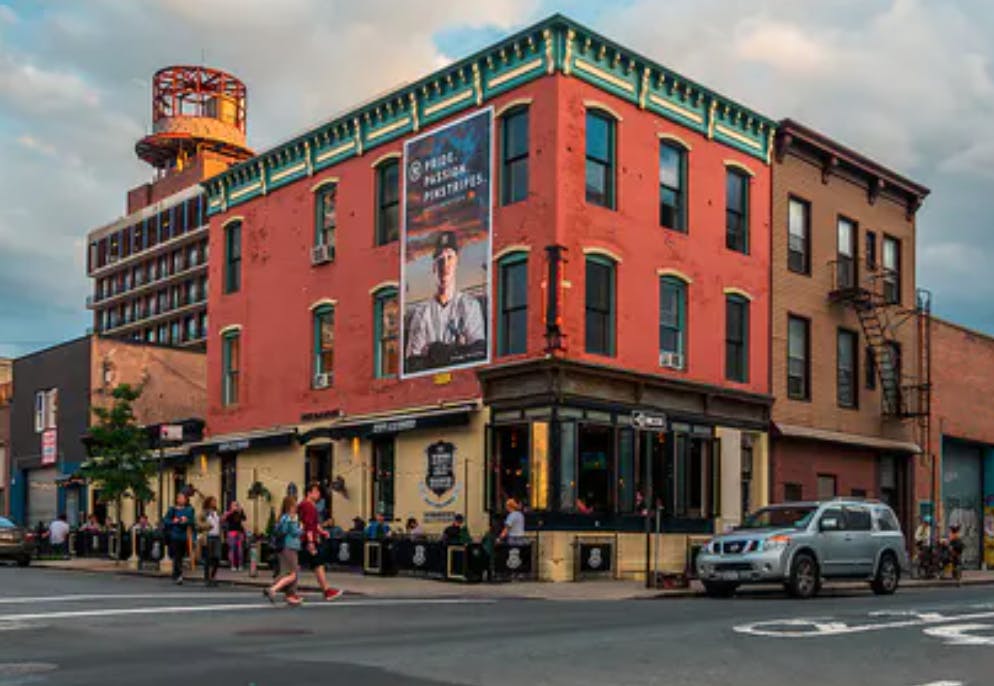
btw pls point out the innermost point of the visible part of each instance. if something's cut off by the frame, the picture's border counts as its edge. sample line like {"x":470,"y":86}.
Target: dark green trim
{"x":554,"y":44}
{"x":379,"y":298}
{"x":510,"y":259}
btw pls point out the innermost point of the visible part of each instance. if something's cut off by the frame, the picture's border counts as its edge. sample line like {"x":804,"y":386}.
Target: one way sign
{"x":648,"y":420}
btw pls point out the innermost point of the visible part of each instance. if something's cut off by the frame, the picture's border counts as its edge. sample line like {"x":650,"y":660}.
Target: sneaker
{"x":333,"y":593}
{"x":269,"y":595}
{"x":293,"y":600}
{"x":179,"y":581}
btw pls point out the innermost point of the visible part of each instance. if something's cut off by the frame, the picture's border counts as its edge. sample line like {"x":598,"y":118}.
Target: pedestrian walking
{"x":314,"y":536}
{"x":210,"y":526}
{"x":179,"y":521}
{"x":286,"y":538}
{"x":234,"y":525}
{"x":58,"y":535}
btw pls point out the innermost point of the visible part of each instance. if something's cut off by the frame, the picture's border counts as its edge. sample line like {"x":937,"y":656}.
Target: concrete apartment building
{"x":149,"y":268}
{"x":847,"y":351}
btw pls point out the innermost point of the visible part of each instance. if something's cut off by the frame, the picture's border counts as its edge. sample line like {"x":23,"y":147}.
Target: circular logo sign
{"x":414,"y":171}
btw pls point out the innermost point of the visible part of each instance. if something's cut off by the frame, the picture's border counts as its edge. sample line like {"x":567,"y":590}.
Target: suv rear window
{"x":886,"y":520}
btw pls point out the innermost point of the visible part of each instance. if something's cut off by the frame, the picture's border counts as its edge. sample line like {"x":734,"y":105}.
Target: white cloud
{"x":782,"y":46}
{"x":30,"y":88}
{"x":8,"y":15}
{"x":32,"y":143}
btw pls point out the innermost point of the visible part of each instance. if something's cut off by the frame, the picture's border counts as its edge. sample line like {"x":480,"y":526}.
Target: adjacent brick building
{"x":846,"y":325}
{"x":55,"y":391}
{"x":630,"y":262}
{"x":6,"y":393}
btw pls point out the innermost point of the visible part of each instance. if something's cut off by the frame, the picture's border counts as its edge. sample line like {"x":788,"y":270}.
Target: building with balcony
{"x":606,"y":354}
{"x":849,"y":350}
{"x":149,"y":268}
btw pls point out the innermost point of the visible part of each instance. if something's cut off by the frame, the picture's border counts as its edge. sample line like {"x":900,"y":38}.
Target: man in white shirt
{"x":58,"y":535}
{"x":447,"y":328}
{"x":514,"y":524}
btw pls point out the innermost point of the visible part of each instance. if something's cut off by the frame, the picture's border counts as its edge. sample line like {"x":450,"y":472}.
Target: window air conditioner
{"x":322,"y":380}
{"x":671,"y":360}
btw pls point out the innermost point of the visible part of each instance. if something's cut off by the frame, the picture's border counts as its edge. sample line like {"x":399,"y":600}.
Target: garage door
{"x":42,"y":496}
{"x":961,"y":491}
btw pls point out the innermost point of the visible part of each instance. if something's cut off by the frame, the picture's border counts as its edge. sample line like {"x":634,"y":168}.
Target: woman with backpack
{"x":178,"y":521}
{"x":286,"y":542}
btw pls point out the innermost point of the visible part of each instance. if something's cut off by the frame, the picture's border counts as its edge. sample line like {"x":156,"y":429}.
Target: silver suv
{"x":800,"y":544}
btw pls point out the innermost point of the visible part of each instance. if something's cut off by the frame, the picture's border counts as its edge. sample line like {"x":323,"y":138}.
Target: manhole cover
{"x":22,"y":668}
{"x":270,"y":631}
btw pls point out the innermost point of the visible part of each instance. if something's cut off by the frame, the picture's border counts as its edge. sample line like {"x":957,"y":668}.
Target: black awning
{"x":386,"y":426}
{"x":237,"y":443}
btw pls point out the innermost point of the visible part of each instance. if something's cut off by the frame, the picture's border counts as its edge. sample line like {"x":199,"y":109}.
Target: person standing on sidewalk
{"x":234,"y":524}
{"x":178,"y":522}
{"x":287,"y":537}
{"x":313,"y":538}
{"x":210,"y":525}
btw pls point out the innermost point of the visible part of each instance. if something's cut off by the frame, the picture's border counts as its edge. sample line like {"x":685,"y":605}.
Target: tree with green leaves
{"x":119,"y":450}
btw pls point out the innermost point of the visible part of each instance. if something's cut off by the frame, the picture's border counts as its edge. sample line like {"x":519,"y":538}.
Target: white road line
{"x":943,"y":683}
{"x":807,"y":628}
{"x":84,"y":597}
{"x":230,"y":607}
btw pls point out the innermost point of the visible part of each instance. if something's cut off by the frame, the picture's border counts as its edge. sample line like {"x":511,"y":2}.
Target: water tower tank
{"x":194,"y":109}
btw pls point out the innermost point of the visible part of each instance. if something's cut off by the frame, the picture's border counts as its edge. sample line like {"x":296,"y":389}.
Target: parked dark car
{"x":15,"y":543}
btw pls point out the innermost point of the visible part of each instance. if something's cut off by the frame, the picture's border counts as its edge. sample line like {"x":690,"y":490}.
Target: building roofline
{"x":148,"y":344}
{"x":63,"y":344}
{"x":556,"y":43}
{"x":965,"y":329}
{"x":790,"y":129}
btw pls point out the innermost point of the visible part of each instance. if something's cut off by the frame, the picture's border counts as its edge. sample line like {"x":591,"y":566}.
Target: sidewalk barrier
{"x":514,"y":560}
{"x":420,"y":556}
{"x":344,"y":552}
{"x":378,"y":558}
{"x":594,"y":558}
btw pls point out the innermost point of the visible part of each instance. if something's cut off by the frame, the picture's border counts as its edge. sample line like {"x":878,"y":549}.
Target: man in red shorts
{"x":312,"y":538}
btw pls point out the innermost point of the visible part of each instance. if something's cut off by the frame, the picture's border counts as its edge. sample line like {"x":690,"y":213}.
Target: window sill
{"x":799,"y":399}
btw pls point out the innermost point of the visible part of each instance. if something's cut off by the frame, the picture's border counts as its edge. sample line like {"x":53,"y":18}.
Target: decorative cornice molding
{"x":535,"y":52}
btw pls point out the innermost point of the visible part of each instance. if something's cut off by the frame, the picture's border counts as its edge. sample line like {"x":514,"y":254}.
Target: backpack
{"x":277,"y":540}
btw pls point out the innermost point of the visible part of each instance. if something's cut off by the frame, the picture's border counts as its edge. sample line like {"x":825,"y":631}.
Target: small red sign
{"x":49,"y":447}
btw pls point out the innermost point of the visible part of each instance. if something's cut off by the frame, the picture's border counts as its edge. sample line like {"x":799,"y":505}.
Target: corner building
{"x":627,"y":310}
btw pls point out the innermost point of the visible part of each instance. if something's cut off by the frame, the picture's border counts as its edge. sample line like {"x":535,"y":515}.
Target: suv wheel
{"x":888,"y":576}
{"x":803,"y":581}
{"x":718,"y":589}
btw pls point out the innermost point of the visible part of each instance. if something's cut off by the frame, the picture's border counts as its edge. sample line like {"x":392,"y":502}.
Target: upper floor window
{"x":230,"y":367}
{"x":325,"y":201}
{"x":672,"y":322}
{"x":233,"y":257}
{"x":798,"y":236}
{"x":672,"y":186}
{"x":514,"y":156}
{"x":736,"y":338}
{"x":871,"y":251}
{"x":324,"y":346}
{"x":798,"y":367}
{"x":600,"y":305}
{"x":845,"y":368}
{"x":846,"y":253}
{"x":387,"y":202}
{"x":892,"y":270}
{"x":512,"y":296}
{"x":737,"y":210}
{"x":600,"y":159}
{"x":387,"y":333}
{"x":46,"y":409}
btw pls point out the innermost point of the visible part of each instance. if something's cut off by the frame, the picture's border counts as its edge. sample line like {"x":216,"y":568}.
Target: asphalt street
{"x":71,"y":628}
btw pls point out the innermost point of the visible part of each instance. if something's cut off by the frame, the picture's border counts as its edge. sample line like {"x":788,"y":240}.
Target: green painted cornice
{"x":557,"y":44}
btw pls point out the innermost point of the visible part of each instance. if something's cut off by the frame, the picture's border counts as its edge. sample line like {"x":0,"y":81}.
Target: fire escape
{"x":905,"y":394}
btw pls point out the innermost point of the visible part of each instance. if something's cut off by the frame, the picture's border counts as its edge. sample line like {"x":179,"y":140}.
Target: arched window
{"x":512,"y":304}
{"x":230,"y":366}
{"x":599,"y":333}
{"x":736,"y":338}
{"x":672,"y":322}
{"x":600,"y":140}
{"x":386,"y":333}
{"x":387,"y":202}
{"x":324,"y":346}
{"x":325,"y":218}
{"x":672,"y":185}
{"x":232,"y":257}
{"x":514,"y":155}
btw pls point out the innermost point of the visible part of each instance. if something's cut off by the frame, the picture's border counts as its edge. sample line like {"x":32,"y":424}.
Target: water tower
{"x":194,"y":110}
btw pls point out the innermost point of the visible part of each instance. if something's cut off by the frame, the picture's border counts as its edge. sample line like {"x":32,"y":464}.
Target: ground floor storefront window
{"x":592,"y":465}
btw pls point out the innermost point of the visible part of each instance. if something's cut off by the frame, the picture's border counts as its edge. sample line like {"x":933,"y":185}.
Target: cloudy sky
{"x":908,"y":82}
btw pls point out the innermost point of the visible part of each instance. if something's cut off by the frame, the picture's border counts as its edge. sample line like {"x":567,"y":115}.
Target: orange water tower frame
{"x":194,"y":109}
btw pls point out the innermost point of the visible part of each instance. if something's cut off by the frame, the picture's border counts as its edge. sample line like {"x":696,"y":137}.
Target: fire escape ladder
{"x":880,"y":345}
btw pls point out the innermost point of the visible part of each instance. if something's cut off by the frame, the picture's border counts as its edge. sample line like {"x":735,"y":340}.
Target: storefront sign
{"x":595,"y":558}
{"x":233,"y":446}
{"x":648,"y":420}
{"x":49,"y":447}
{"x":394,"y":427}
{"x":446,"y":247}
{"x":440,"y":475}
{"x":323,"y":414}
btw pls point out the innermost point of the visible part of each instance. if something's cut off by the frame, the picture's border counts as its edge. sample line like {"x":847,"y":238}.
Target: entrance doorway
{"x":962,"y":488}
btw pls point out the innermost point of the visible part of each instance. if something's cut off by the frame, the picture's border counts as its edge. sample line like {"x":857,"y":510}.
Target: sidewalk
{"x":411,"y":587}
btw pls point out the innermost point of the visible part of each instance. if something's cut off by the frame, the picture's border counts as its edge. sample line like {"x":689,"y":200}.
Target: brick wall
{"x":800,"y":462}
{"x":807,"y":296}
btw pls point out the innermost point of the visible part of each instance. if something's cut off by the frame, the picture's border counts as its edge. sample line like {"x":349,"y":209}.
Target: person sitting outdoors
{"x":334,"y":531}
{"x":358,"y":526}
{"x":413,"y":528}
{"x":378,"y":529}
{"x":514,"y":524}
{"x":456,"y":533}
{"x":58,"y":535}
{"x":92,"y":525}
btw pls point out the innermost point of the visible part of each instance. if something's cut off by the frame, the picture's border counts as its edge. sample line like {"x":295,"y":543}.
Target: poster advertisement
{"x":49,"y":447}
{"x":446,"y":247}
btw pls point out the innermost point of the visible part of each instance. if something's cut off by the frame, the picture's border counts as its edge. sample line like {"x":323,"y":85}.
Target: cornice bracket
{"x":827,"y":165}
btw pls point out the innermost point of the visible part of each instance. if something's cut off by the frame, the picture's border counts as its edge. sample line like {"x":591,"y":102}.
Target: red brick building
{"x":626,"y":311}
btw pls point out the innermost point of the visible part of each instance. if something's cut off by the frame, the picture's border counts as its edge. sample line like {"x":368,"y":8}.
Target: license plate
{"x":729,"y":576}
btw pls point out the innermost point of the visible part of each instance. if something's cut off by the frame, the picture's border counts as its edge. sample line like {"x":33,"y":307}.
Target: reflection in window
{"x":513,"y":464}
{"x":595,"y":469}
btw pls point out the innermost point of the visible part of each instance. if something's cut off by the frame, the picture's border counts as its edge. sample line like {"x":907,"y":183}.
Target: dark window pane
{"x":388,"y":203}
{"x":596,"y":183}
{"x":598,"y":137}
{"x":514,"y":308}
{"x":516,"y":132}
{"x":736,"y":335}
{"x":599,"y":336}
